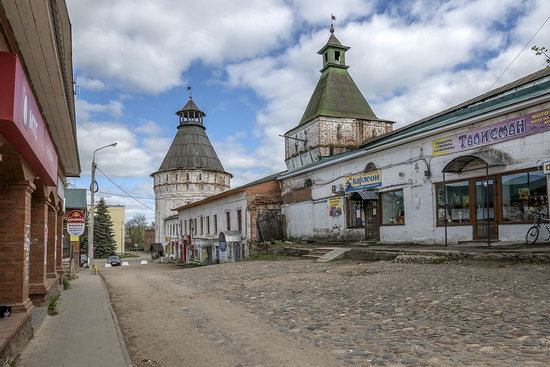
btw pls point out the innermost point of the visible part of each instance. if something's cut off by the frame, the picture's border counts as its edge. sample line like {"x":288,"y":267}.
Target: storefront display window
{"x":393,"y":208}
{"x":523,"y":195}
{"x":458,"y":203}
{"x":355,"y":214}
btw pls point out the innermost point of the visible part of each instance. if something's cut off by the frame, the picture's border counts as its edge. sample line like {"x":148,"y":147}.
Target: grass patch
{"x":53,"y":303}
{"x":66,"y":283}
{"x":271,"y":257}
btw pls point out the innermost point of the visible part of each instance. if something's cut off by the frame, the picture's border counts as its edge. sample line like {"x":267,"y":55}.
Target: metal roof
{"x":191,"y":149}
{"x":191,"y":106}
{"x":458,"y":164}
{"x":337,"y":95}
{"x":75,"y":199}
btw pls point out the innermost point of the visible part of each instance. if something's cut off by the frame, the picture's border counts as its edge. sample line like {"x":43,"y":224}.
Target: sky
{"x":253,"y":65}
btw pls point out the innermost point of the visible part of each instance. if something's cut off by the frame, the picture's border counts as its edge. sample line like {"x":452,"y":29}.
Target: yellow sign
{"x":442,"y":146}
{"x":335,"y":206}
{"x":363,"y":181}
{"x":75,"y":238}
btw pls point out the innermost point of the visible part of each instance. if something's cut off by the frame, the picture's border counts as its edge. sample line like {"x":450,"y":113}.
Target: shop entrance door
{"x":485,"y":201}
{"x":372,"y":225}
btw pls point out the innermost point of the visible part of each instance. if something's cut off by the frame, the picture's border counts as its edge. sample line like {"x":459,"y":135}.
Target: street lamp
{"x":91,"y":226}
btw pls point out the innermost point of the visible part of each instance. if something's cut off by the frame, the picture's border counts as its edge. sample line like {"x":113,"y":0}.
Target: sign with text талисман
{"x":363,"y":181}
{"x":76,"y":221}
{"x":513,"y":128}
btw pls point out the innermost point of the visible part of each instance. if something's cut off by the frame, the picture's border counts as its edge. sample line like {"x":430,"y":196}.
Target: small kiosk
{"x":230,"y":247}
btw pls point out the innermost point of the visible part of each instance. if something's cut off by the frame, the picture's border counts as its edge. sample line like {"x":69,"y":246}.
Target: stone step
{"x":335,"y":254}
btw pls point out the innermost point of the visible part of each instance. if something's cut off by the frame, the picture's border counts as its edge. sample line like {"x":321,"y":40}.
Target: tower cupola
{"x":190,"y":114}
{"x":333,"y":52}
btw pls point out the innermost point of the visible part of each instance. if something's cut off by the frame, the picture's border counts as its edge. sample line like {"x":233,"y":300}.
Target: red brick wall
{"x":52,"y":243}
{"x":39,"y":228}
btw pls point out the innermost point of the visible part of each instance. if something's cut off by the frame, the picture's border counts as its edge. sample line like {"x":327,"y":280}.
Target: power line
{"x":136,"y":196}
{"x":519,"y":53}
{"x":124,"y":191}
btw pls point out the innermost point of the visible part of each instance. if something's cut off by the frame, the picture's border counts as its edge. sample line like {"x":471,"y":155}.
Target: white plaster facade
{"x":183,"y":186}
{"x":211,"y":219}
{"x":403,"y":163}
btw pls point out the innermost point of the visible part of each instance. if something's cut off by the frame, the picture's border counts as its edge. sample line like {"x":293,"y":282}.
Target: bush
{"x":52,"y":305}
{"x":66,"y":283}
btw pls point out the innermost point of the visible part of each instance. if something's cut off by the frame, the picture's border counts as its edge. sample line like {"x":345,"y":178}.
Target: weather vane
{"x":190,"y":94}
{"x":332,"y":19}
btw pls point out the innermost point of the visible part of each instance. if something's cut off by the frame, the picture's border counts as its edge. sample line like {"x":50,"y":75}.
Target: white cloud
{"x":90,"y":83}
{"x":85,"y":109}
{"x":127,"y":42}
{"x":409,"y":63}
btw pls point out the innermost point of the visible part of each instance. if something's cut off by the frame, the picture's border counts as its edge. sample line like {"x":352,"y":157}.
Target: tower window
{"x":326,"y":56}
{"x":200,"y":177}
{"x":337,"y":55}
{"x":188,"y":177}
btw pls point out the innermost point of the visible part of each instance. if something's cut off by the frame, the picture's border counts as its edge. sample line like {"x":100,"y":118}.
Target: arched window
{"x":200,"y":177}
{"x":338,"y":132}
{"x":370,"y":167}
{"x":308,"y":183}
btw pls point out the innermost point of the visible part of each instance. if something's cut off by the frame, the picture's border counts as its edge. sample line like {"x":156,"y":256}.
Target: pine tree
{"x":104,"y":236}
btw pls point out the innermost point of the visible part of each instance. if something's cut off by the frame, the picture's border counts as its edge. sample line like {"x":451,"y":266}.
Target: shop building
{"x":222,"y":227}
{"x":38,"y":151}
{"x":190,"y":171}
{"x":490,"y":152}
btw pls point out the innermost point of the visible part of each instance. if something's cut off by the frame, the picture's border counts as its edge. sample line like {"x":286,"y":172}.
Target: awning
{"x":364,"y":195}
{"x":230,"y":236}
{"x":459,"y":164}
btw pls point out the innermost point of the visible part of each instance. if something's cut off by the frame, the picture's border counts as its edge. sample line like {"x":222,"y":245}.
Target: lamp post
{"x":91,"y":226}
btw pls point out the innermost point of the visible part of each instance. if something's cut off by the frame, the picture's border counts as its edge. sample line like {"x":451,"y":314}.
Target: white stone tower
{"x":190,"y":171}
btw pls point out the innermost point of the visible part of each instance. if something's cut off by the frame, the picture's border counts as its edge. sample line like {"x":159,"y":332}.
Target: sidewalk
{"x":84,"y":333}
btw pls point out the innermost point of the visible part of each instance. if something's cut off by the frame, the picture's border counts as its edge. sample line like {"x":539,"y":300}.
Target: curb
{"x":117,"y":326}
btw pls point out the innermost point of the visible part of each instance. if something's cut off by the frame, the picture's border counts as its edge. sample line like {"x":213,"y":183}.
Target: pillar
{"x":59,"y":247}
{"x":38,"y":248}
{"x":15,"y":235}
{"x":52,"y":243}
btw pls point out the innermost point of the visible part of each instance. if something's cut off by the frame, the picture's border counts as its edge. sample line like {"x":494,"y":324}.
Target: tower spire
{"x":332,"y":19}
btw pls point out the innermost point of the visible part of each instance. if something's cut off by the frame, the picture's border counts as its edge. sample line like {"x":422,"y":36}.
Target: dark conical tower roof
{"x":191,"y":148}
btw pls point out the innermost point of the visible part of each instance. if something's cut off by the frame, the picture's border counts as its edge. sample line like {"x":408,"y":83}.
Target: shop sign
{"x":546,"y":166}
{"x":363,"y":181}
{"x":21,"y":120}
{"x":335,"y":206}
{"x":76,"y":221}
{"x":513,"y":128}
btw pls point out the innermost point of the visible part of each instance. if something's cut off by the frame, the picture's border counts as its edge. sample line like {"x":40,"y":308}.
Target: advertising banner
{"x":21,"y":120}
{"x":546,"y":166}
{"x":76,"y":222}
{"x":335,"y":206}
{"x":513,"y":128}
{"x":363,"y":181}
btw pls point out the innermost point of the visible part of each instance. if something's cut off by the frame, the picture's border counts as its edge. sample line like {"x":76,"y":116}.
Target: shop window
{"x":355,"y":215}
{"x":523,"y":195}
{"x":458,"y":203}
{"x":393,"y":208}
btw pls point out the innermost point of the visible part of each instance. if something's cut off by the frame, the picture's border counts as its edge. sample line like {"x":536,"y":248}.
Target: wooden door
{"x":485,"y":209}
{"x":372,"y":224}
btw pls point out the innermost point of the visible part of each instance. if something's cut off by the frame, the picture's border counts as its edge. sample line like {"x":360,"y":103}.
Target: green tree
{"x":104,"y":236}
{"x":135,"y":231}
{"x":542,"y":51}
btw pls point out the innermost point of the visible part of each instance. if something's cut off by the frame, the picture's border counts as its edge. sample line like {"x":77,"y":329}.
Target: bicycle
{"x":533,"y":232}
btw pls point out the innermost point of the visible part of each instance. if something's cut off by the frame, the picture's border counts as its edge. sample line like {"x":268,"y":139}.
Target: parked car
{"x":114,"y":260}
{"x":83,"y":260}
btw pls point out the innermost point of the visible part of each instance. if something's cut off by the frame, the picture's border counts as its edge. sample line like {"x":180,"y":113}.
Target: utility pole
{"x":92,"y":203}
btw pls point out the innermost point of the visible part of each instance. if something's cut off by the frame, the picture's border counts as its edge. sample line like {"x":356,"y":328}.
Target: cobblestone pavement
{"x":392,"y":314}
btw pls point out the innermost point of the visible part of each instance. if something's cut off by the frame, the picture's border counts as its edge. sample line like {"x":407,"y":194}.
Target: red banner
{"x":21,"y":121}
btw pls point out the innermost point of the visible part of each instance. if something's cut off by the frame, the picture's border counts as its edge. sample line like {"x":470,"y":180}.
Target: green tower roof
{"x":336,"y":94}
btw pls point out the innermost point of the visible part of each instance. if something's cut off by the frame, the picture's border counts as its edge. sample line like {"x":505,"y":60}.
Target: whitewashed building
{"x":221,"y":228}
{"x":491,"y":149}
